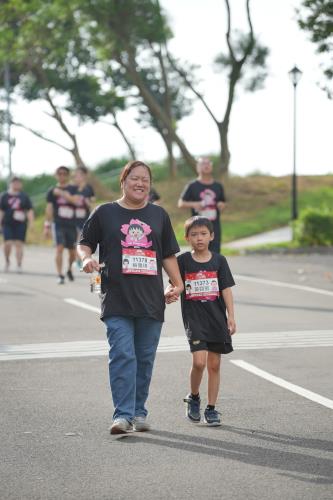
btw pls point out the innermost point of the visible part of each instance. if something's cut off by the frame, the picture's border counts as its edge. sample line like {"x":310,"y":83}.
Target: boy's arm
{"x":229,"y":302}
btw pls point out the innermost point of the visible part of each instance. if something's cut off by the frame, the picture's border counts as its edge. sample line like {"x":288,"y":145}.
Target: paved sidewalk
{"x":280,"y":235}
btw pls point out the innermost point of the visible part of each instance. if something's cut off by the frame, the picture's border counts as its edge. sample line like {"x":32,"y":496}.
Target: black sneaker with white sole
{"x":192,"y":408}
{"x":212,"y":417}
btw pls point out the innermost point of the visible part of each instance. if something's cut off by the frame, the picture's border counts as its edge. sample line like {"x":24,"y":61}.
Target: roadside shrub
{"x":314,"y":227}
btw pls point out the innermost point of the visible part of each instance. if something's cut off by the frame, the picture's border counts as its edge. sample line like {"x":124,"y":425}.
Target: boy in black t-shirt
{"x":208,"y":314}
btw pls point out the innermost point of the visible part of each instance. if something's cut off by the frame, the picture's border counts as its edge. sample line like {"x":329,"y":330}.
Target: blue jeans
{"x":133,"y":344}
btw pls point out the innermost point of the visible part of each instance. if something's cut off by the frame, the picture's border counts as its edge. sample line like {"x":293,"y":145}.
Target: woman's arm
{"x":170,"y":266}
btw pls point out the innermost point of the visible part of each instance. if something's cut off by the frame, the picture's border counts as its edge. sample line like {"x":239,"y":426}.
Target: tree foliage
{"x":316,"y":18}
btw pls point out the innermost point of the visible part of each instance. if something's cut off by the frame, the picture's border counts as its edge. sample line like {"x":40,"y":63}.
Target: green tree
{"x":316,"y":18}
{"x":245,"y":64}
{"x":124,"y":33}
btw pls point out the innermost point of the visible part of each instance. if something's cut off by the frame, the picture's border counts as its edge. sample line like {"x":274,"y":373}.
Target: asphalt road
{"x":276,"y":398}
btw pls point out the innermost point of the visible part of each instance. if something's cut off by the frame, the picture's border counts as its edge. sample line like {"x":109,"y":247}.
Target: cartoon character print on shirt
{"x":208,"y":197}
{"x":136,"y":234}
{"x":14,"y":202}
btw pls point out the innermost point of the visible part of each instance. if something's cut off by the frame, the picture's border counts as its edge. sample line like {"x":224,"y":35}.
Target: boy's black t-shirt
{"x":63,"y":210}
{"x":82,"y":210}
{"x":203,"y":307}
{"x":128,"y":239}
{"x":15,"y":207}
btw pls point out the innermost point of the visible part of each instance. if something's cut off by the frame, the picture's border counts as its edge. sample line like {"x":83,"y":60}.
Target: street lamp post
{"x":295,"y":76}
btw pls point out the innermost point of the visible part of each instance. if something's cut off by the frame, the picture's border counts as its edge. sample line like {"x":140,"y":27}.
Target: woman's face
{"x":136,"y":186}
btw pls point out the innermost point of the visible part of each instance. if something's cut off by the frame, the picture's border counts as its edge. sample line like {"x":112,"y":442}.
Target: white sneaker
{"x":140,"y":424}
{"x":120,"y":426}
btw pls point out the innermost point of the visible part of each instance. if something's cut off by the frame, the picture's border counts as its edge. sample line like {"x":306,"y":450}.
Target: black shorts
{"x":14,"y":232}
{"x":217,"y":347}
{"x":64,"y":235}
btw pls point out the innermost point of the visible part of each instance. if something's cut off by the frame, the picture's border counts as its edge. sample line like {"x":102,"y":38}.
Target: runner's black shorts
{"x":64,"y":235}
{"x":217,"y":347}
{"x":16,"y":231}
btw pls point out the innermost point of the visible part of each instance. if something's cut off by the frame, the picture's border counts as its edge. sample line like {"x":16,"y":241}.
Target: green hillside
{"x":255,"y":203}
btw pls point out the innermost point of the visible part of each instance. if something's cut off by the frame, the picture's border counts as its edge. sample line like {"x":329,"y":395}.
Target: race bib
{"x":66,"y":212}
{"x":138,"y":261}
{"x":19,"y":215}
{"x":203,"y":285}
{"x":80,"y":213}
{"x":209,"y":213}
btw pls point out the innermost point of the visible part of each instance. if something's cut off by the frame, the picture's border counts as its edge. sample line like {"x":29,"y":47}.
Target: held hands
{"x":231,"y":325}
{"x":171,"y":293}
{"x":89,"y":265}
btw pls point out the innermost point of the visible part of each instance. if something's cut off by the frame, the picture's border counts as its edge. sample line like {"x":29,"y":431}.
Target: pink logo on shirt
{"x":136,"y":234}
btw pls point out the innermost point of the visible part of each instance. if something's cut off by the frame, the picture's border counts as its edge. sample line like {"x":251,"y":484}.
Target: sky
{"x":261,"y":126}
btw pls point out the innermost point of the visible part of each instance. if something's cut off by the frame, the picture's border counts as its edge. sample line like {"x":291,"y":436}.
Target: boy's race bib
{"x":19,"y":215}
{"x":203,"y":285}
{"x":138,"y":261}
{"x":66,"y":212}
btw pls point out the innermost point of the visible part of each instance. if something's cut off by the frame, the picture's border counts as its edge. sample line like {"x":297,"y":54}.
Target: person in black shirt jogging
{"x":136,"y":241}
{"x":84,"y":196}
{"x":60,"y":216}
{"x":15,"y":213}
{"x":205,"y":197}
{"x":208,"y":314}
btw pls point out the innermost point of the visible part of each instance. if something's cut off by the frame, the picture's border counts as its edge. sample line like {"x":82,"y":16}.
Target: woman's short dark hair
{"x":198,"y":221}
{"x":130,"y":166}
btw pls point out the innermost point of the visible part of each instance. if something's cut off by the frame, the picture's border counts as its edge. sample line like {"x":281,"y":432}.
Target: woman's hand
{"x":89,"y":265}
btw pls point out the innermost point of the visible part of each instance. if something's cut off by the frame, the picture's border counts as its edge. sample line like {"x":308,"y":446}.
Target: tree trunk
{"x":224,"y":150}
{"x":123,"y":135}
{"x":156,"y":110}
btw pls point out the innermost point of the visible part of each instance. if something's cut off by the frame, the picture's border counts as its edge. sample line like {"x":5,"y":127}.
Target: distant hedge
{"x":314,"y":227}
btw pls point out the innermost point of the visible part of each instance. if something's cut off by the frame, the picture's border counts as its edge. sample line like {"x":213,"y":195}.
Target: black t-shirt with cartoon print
{"x":82,"y":209}
{"x":132,"y":244}
{"x":63,"y":210}
{"x":203,"y":307}
{"x":15,"y":207}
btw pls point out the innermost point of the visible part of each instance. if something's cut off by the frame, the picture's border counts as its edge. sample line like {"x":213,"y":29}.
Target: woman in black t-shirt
{"x":136,"y":241}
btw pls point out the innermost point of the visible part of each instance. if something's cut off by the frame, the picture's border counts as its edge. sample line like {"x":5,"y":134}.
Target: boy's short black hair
{"x":198,"y":221}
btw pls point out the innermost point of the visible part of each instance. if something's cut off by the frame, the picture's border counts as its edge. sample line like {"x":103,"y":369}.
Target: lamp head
{"x":295,"y":75}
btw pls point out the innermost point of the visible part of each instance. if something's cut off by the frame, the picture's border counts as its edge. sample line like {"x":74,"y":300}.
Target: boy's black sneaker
{"x":192,"y":408}
{"x":70,"y":275}
{"x":212,"y":417}
{"x":61,"y":279}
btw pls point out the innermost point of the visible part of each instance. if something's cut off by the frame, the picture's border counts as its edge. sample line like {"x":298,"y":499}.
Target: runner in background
{"x":154,"y":197}
{"x":205,"y":197}
{"x":84,"y":197}
{"x":60,"y":217}
{"x":15,"y":213}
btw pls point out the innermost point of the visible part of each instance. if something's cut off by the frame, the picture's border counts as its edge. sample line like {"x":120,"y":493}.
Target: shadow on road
{"x":317,"y":470}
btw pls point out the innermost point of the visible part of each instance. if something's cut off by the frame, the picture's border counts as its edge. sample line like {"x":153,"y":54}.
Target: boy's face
{"x":199,"y":237}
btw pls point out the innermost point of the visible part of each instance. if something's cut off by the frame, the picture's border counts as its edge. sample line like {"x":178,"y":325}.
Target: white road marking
{"x":312,"y":396}
{"x":241,"y":341}
{"x":284,"y":284}
{"x":83,"y":305}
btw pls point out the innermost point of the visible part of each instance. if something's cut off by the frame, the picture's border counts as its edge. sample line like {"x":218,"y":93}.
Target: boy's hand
{"x":231,"y":325}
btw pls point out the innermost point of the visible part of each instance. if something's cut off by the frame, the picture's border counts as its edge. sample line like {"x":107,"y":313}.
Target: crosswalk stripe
{"x":241,"y":341}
